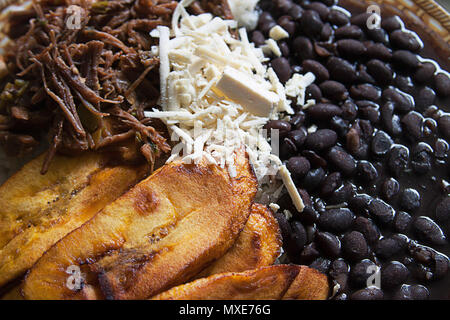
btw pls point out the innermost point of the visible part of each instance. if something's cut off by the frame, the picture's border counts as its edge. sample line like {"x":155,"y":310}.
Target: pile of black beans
{"x":370,"y":158}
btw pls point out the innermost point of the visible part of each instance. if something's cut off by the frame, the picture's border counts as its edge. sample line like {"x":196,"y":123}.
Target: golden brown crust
{"x":258,"y":245}
{"x":37,"y":210}
{"x":134,"y":252}
{"x":267,"y":283}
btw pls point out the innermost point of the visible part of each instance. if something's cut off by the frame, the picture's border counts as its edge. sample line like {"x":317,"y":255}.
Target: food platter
{"x":225,"y":150}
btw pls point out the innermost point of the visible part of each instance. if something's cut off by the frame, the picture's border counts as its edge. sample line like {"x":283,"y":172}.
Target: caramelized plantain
{"x":158,"y":235}
{"x":13,"y":292}
{"x":37,"y":210}
{"x":280,"y":282}
{"x":258,"y":245}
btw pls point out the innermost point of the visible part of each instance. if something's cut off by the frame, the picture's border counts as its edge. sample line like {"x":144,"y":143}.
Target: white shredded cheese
{"x":217,"y":93}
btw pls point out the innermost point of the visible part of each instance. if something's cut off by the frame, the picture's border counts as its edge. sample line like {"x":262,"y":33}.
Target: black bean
{"x":380,"y":71}
{"x":443,"y":209}
{"x":392,"y":23}
{"x":298,"y":237}
{"x":298,"y":137}
{"x":309,"y":254}
{"x":369,"y":110}
{"x":323,"y":111}
{"x":320,"y":8}
{"x":342,"y":160}
{"x":349,"y":110}
{"x":321,"y":264}
{"x":425,"y":98}
{"x":390,"y":188}
{"x":314,"y":158}
{"x":334,"y":90}
{"x":354,"y":246}
{"x":321,"y":139}
{"x":441,"y":149}
{"x":442,"y":84}
{"x":378,"y":51}
{"x":365,"y":92}
{"x":441,"y":266}
{"x":387,"y":248}
{"x":341,"y":70}
{"x":317,"y":68}
{"x":393,"y":275}
{"x":296,"y":12}
{"x":363,"y":76}
{"x":287,"y":23}
{"x":406,"y":59}
{"x":413,"y":124}
{"x":360,"y":273}
{"x":298,"y":166}
{"x":283,"y":127}
{"x":314,"y":178}
{"x":391,"y":121}
{"x":258,"y":38}
{"x":336,"y":220}
{"x":398,"y":159}
{"x":311,"y":23}
{"x":282,"y":68}
{"x":305,"y":197}
{"x":285,"y":227}
{"x":303,"y":48}
{"x":378,"y":35}
{"x":429,"y":231}
{"x":313,"y":92}
{"x":349,"y":31}
{"x":410,"y":200}
{"x":381,"y":143}
{"x":323,"y":49}
{"x":342,"y":194}
{"x":266,"y":22}
{"x":338,"y":18}
{"x":412,"y":292}
{"x":402,"y":221}
{"x":284,"y":5}
{"x":421,"y":158}
{"x":309,"y":215}
{"x":360,"y":19}
{"x":351,"y":48}
{"x":285,"y":51}
{"x":367,"y":228}
{"x":404,"y":83}
{"x":331,"y":183}
{"x":381,"y":211}
{"x":444,"y":125}
{"x":371,"y":293}
{"x":425,"y":73}
{"x":338,"y":267}
{"x":405,"y":40}
{"x":287,"y":148}
{"x":360,"y":203}
{"x":339,"y":125}
{"x":329,"y":244}
{"x":366,"y":171}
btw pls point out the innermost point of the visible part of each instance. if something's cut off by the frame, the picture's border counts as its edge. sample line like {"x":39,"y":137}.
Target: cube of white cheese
{"x":243,"y":90}
{"x":278,"y":33}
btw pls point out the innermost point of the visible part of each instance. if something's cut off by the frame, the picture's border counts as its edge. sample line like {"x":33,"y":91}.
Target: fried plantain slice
{"x":158,"y":235}
{"x":280,"y":282}
{"x":37,"y":210}
{"x":258,"y":245}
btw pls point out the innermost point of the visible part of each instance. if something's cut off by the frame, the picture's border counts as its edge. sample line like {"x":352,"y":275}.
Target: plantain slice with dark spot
{"x":38,"y":210}
{"x":280,"y":282}
{"x":158,"y":235}
{"x":258,"y":245}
